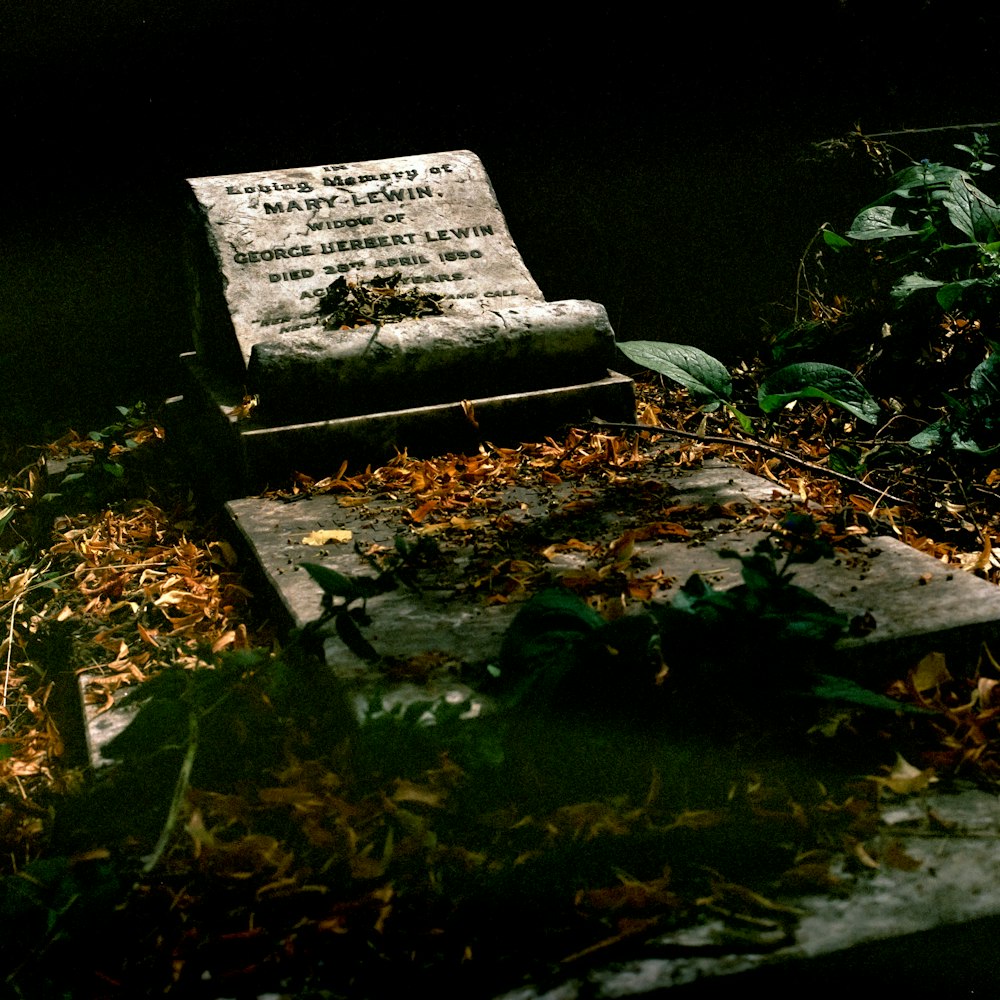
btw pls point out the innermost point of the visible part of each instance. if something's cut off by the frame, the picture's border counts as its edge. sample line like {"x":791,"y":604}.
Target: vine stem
{"x":767,"y":449}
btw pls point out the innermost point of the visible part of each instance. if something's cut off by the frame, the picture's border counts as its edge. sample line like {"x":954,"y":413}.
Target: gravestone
{"x":369,"y":307}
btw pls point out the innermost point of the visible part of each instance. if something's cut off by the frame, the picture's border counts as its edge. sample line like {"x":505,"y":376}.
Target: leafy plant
{"x":813,"y":380}
{"x":709,"y":382}
{"x":940,"y":228}
{"x":702,"y":375}
{"x":104,"y":460}
{"x":972,"y":425}
{"x":556,"y":652}
{"x":930,"y":244}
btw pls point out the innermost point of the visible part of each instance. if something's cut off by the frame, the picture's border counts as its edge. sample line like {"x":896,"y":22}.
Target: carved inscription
{"x":282,"y":238}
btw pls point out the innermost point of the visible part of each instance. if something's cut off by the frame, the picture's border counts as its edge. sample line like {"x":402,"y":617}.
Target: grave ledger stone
{"x":372,"y":306}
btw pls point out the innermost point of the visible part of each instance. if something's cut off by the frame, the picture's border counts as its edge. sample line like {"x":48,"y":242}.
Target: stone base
{"x":245,"y":455}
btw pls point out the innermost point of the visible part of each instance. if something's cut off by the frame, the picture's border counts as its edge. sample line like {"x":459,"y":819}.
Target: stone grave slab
{"x":925,"y":932}
{"x":917,"y":604}
{"x":269,"y":248}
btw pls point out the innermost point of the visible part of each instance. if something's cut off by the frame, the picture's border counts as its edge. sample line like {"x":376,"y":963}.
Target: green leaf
{"x":831,"y":239}
{"x":333,"y":583}
{"x":553,"y":611}
{"x":885,"y":221}
{"x":907,"y":286}
{"x":949,"y":294}
{"x":352,"y":638}
{"x":971,"y":211}
{"x":830,"y":687}
{"x":814,"y":380}
{"x":985,"y":379}
{"x":703,"y":376}
{"x":746,"y":425}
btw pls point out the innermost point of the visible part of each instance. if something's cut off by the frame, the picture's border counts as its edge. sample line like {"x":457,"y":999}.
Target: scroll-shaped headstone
{"x":346,"y":290}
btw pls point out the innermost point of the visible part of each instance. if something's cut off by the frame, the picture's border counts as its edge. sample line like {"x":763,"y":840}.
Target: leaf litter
{"x":403,"y":865}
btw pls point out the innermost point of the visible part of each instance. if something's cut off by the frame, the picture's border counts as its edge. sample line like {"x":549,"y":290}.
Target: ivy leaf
{"x":814,"y":380}
{"x":705,"y":377}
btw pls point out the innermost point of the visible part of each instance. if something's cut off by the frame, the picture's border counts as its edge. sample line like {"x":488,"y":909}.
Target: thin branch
{"x":938,"y":128}
{"x":756,"y":446}
{"x":10,"y":649}
{"x":150,"y":861}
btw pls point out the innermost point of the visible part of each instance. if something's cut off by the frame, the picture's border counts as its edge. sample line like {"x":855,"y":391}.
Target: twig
{"x":756,"y":446}
{"x":10,"y":648}
{"x":180,"y":791}
{"x":938,"y":128}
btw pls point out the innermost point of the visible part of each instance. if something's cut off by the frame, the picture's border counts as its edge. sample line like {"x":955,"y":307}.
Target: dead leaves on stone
{"x":134,"y":594}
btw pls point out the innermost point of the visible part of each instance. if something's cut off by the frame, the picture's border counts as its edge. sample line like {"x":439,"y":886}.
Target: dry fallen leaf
{"x":931,"y":672}
{"x":904,"y":778}
{"x":325,"y":536}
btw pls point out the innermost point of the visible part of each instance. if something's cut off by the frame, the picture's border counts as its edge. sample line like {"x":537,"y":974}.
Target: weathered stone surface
{"x":954,"y":882}
{"x":266,"y":249}
{"x":423,"y":361}
{"x":918,"y":604}
{"x":280,"y":238}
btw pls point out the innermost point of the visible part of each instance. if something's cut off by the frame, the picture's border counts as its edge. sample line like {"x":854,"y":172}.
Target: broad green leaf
{"x":703,"y":376}
{"x":883,"y":221}
{"x":930,"y":437}
{"x":553,"y":616}
{"x":830,"y":687}
{"x":814,"y":380}
{"x":970,"y":211}
{"x":332,"y":582}
{"x":949,"y":294}
{"x":986,"y":378}
{"x":906,"y":287}
{"x":831,"y":239}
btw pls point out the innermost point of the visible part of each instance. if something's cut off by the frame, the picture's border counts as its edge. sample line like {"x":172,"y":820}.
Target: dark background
{"x":657,"y":163}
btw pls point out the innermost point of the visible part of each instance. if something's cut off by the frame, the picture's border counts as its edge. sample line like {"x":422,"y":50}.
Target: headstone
{"x":350,"y":294}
